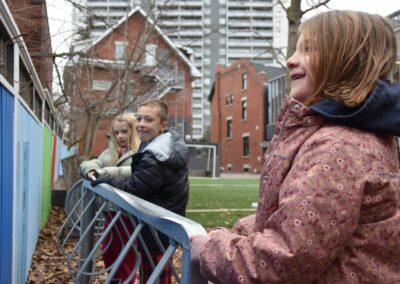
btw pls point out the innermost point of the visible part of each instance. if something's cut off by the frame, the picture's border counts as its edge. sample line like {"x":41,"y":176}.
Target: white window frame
{"x":120,"y":48}
{"x":101,"y":85}
{"x":151,"y":50}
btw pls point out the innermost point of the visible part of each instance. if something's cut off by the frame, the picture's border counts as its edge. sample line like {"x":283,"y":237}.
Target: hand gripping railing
{"x":104,"y":214}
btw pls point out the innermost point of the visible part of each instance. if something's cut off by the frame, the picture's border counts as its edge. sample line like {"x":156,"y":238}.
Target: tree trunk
{"x":294,"y":15}
{"x":92,"y":124}
{"x":70,"y":166}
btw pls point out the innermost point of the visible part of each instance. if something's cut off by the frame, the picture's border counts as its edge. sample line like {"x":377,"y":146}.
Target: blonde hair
{"x":350,"y":52}
{"x":134,"y":141}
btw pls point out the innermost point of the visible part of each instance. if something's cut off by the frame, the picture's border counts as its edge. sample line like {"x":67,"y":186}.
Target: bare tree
{"x":294,"y":15}
{"x":138,"y":74}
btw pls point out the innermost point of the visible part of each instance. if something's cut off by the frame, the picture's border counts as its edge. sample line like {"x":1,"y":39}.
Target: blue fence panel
{"x":6,"y":184}
{"x":61,"y":153}
{"x":29,"y":184}
{"x":57,"y":159}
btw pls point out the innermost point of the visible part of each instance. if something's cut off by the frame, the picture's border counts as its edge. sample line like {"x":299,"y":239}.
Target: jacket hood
{"x":169,"y":148}
{"x":380,"y":112}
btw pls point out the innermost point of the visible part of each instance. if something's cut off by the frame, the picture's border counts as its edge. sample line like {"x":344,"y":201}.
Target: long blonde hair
{"x":350,"y":52}
{"x":134,"y":141}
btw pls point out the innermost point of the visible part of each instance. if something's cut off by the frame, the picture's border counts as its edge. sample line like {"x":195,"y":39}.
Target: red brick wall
{"x":32,"y":21}
{"x":179,"y":102}
{"x":228,"y":84}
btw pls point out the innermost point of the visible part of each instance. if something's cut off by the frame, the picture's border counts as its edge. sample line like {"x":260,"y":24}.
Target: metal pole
{"x":87,"y":238}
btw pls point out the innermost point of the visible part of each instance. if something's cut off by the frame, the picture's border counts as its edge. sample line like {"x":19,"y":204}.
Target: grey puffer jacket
{"x":105,"y":168}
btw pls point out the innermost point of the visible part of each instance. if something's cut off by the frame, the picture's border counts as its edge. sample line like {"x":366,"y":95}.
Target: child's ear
{"x":164,"y":125}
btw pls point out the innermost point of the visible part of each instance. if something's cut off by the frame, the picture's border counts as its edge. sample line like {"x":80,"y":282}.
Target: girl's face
{"x":148,"y":122}
{"x":122,"y":133}
{"x":299,"y":67}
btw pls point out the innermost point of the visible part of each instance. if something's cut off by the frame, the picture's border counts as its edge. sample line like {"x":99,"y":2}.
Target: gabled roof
{"x":193,"y":70}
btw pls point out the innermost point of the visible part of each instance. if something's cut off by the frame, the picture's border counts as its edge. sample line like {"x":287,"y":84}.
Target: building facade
{"x":245,"y":99}
{"x":129,"y":63}
{"x":217,"y":32}
{"x":32,"y":21}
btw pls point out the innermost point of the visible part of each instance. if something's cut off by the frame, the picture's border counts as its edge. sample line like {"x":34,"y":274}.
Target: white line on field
{"x":225,"y":185}
{"x":220,"y":210}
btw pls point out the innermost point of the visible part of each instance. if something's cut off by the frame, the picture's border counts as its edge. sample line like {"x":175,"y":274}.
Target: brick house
{"x":245,"y":100}
{"x":32,"y":21}
{"x":131,"y":62}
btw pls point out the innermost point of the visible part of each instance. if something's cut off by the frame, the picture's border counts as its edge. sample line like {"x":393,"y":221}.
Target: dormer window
{"x":120,"y":50}
{"x":151,"y":54}
{"x":244,"y":81}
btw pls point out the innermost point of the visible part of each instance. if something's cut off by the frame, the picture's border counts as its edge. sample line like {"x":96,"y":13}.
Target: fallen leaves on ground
{"x":49,"y":265}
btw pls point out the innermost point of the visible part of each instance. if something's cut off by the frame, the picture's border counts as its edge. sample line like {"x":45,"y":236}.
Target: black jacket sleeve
{"x":147,"y":177}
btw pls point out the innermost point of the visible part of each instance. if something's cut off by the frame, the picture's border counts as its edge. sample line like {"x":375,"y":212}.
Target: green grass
{"x":223,"y":193}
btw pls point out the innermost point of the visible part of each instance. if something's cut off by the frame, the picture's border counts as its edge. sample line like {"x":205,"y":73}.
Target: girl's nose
{"x":292,"y":62}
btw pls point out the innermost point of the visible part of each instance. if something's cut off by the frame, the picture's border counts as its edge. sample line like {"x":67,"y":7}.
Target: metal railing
{"x":103,"y":214}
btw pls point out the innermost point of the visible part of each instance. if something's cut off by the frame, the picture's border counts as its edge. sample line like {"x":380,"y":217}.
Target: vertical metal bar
{"x":87,"y":242}
{"x":161,"y":264}
{"x":129,"y":245}
{"x":190,"y":273}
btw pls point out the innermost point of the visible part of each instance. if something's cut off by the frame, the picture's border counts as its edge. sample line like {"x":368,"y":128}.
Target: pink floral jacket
{"x":328,"y":212}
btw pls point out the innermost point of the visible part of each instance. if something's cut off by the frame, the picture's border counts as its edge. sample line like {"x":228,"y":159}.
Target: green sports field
{"x":220,"y":202}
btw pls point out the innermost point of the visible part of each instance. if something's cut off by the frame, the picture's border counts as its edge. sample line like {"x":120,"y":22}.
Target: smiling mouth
{"x":297,"y":76}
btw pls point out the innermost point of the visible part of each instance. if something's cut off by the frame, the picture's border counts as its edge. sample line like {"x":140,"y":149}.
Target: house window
{"x":6,"y":55}
{"x":229,"y":100}
{"x":244,"y":109}
{"x":151,"y":54}
{"x":37,"y":105}
{"x":26,"y":88}
{"x":244,"y":81}
{"x":163,"y":56}
{"x":47,"y":113}
{"x":246,"y":146}
{"x":120,"y":50}
{"x":101,"y":85}
{"x":229,"y":128}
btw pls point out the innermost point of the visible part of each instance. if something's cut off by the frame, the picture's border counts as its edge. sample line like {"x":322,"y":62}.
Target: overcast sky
{"x":59,"y":13}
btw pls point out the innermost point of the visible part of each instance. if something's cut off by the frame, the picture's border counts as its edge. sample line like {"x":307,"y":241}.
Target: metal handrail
{"x":87,"y":217}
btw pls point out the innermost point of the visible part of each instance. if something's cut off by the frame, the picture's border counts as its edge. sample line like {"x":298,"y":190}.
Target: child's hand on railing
{"x":92,"y":175}
{"x":100,"y":180}
{"x":197,"y":246}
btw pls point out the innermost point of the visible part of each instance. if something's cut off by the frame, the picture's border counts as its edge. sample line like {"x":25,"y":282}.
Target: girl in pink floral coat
{"x":329,"y":203}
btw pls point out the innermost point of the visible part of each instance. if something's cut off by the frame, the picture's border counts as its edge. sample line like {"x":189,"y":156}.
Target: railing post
{"x":177,"y":228}
{"x":87,"y":237}
{"x":190,"y":270}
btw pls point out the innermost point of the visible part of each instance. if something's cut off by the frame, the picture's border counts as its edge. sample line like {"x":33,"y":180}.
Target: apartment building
{"x":217,"y":32}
